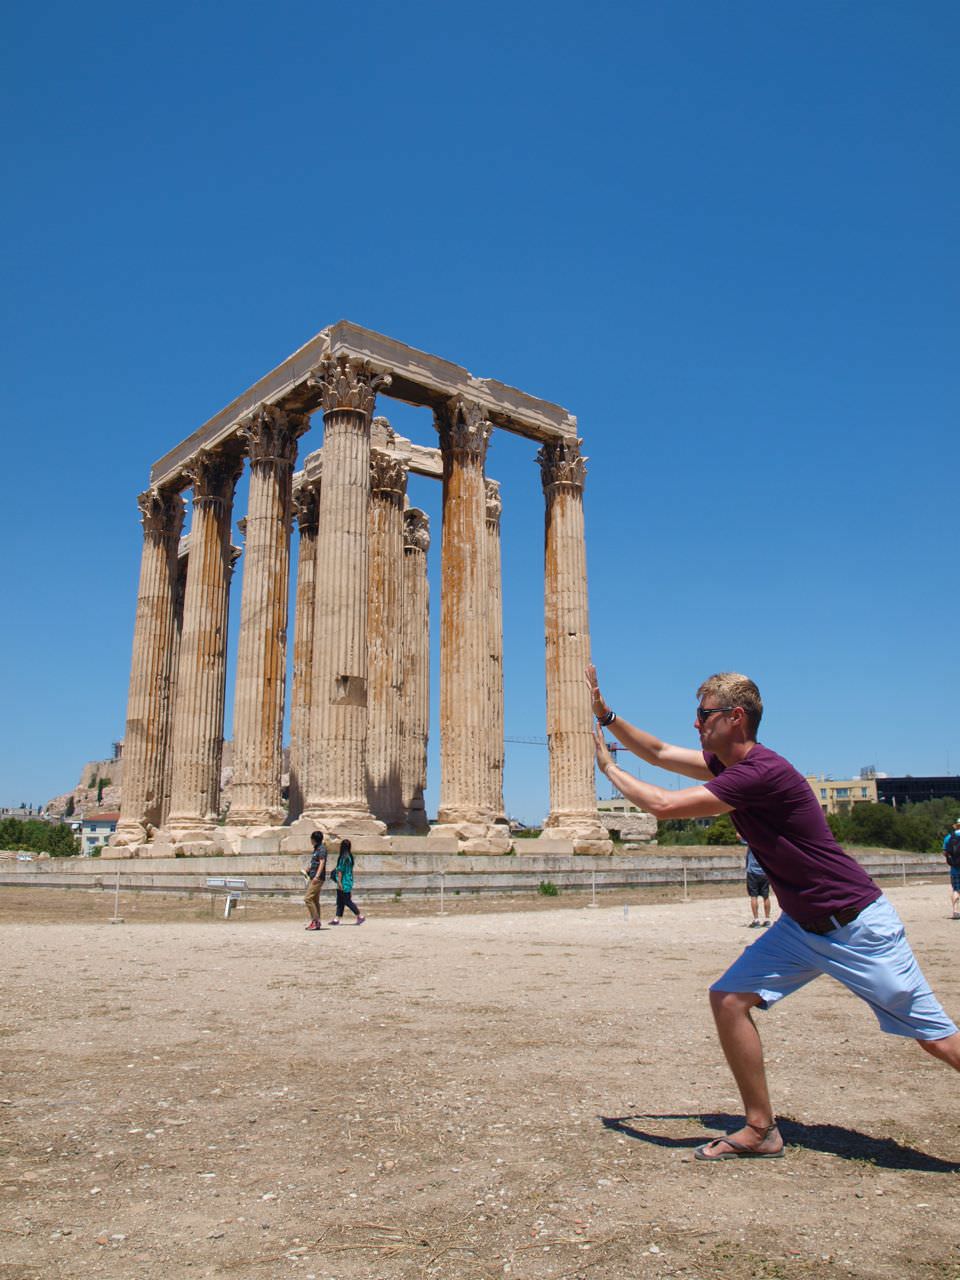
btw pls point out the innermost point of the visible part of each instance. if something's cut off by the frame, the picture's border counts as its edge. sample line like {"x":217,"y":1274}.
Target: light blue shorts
{"x":870,"y":956}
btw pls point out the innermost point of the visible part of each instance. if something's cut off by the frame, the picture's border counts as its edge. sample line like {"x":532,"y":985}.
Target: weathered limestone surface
{"x":388,"y":485}
{"x":336,"y":798}
{"x":307,"y":505}
{"x":198,"y":718}
{"x":495,"y":642}
{"x":415,"y":713}
{"x":466,"y":805}
{"x":183,"y":569}
{"x":573,"y":797}
{"x":151,"y":668}
{"x":271,"y":438}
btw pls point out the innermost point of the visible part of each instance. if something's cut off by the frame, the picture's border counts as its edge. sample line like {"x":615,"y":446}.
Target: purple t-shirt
{"x":776,"y":812}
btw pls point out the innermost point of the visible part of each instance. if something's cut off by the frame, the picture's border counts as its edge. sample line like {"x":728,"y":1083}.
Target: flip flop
{"x":739,"y":1152}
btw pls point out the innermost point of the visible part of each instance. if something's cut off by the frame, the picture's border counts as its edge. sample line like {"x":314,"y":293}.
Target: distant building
{"x":839,"y":795}
{"x":900,"y":791}
{"x":96,"y":829}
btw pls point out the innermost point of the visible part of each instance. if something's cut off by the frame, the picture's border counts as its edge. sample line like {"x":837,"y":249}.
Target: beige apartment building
{"x":838,"y":795}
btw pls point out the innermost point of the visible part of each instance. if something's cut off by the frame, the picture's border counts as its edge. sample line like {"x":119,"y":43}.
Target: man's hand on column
{"x":597,"y":703}
{"x":604,"y":757}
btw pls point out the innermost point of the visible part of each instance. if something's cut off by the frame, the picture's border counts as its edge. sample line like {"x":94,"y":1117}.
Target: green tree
{"x":681,"y":831}
{"x":34,"y":836}
{"x":69,"y":810}
{"x":722,"y":831}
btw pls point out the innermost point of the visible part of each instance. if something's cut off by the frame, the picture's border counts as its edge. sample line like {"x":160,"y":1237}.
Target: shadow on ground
{"x":831,"y":1139}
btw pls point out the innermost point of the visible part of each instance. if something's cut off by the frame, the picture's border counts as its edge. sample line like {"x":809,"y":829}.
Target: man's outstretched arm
{"x":684,"y":760}
{"x":691,"y":802}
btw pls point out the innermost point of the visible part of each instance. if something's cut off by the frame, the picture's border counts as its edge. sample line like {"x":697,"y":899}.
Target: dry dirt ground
{"x":489,"y":1093}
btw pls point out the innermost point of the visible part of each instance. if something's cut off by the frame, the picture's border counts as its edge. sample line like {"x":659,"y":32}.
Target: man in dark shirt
{"x":315,"y":876}
{"x":834,"y":920}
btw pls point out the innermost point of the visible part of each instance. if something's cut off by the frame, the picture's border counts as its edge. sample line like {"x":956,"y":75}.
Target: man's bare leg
{"x":947,"y":1049}
{"x":740,"y":1042}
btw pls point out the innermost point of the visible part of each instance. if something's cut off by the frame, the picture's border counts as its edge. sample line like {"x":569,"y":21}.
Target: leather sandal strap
{"x":757,"y":1129}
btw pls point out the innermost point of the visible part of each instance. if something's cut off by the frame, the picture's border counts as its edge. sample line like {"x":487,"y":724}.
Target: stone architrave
{"x":415,"y":715}
{"x":573,"y":796}
{"x":466,"y":805}
{"x":201,"y":677}
{"x":337,"y":792}
{"x":388,"y":486}
{"x":306,"y":503}
{"x":270,"y":436}
{"x":146,"y":738}
{"x":495,"y":640}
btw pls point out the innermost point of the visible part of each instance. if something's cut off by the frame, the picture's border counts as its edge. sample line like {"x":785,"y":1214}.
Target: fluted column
{"x":307,"y":506}
{"x":415,"y":702}
{"x":183,"y":567}
{"x":465,"y":804}
{"x":146,"y":738}
{"x":198,"y":719}
{"x":388,"y":485}
{"x":270,"y":436}
{"x":573,"y":797}
{"x":337,"y":797}
{"x":495,"y":648}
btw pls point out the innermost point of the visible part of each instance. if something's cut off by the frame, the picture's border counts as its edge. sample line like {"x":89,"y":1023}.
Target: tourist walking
{"x":833,"y":919}
{"x":951,"y":851}
{"x":758,"y":887}
{"x":343,"y":879}
{"x":316,"y":874}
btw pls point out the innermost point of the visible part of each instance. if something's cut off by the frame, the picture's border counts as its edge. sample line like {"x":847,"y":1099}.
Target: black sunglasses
{"x":704,"y":712}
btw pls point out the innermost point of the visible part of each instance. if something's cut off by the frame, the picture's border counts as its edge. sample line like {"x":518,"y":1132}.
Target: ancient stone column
{"x":183,"y":566}
{"x":337,"y":795}
{"x":388,"y":486}
{"x":573,"y":797}
{"x":146,"y":738}
{"x":495,"y":643}
{"x":270,"y":436}
{"x":415,"y":713}
{"x":198,"y":718}
{"x":306,"y":503}
{"x":466,"y":807}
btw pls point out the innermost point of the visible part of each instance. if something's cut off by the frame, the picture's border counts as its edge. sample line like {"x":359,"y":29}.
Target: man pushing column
{"x":834,"y":920}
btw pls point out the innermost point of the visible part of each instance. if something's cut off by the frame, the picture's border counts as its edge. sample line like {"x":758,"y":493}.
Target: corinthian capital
{"x":494,"y":504}
{"x":388,"y":475}
{"x":270,"y":434}
{"x":416,"y":530}
{"x":161,"y":513}
{"x":562,"y":463}
{"x":464,"y":431}
{"x":345,"y":383}
{"x":214,"y":474}
{"x":306,"y":504}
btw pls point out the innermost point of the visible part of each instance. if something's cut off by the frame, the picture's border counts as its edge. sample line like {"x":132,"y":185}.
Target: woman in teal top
{"x":343,"y":879}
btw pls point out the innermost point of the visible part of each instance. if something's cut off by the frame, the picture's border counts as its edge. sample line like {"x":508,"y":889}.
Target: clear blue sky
{"x":723,"y":235}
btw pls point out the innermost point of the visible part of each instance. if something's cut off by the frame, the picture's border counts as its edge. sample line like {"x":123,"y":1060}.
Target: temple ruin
{"x":359,"y":692}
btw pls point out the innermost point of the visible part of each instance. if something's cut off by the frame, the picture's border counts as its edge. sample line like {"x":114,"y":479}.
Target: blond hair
{"x":735,"y":690}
